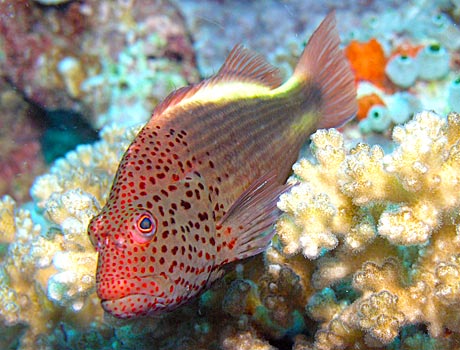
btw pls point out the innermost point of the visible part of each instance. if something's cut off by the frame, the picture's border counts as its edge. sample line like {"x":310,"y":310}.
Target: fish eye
{"x":145,"y":228}
{"x":145,"y":224}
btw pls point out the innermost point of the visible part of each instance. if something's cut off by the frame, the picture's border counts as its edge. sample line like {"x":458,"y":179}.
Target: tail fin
{"x":324,"y":62}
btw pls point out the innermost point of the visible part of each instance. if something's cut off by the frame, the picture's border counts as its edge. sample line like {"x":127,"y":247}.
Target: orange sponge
{"x":406,"y":49}
{"x":368,"y":61}
{"x":366,"y":102}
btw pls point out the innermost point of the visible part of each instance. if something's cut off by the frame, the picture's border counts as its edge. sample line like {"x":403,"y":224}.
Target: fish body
{"x":198,"y":186}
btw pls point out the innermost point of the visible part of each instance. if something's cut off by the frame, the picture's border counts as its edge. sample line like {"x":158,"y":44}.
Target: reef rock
{"x":86,"y":55}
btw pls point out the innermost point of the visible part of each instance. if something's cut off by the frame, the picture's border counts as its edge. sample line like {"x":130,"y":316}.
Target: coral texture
{"x":20,"y":156}
{"x":367,"y":253}
{"x":47,"y":268}
{"x":387,"y":223}
{"x":50,"y":53}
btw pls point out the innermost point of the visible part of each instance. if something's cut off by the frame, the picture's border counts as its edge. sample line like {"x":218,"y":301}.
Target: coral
{"x":19,"y":143}
{"x":132,"y":84}
{"x":379,"y":229}
{"x":51,"y":53}
{"x":22,"y":299}
{"x":7,"y":226}
{"x":52,"y":2}
{"x":248,"y":23}
{"x":47,"y":272}
{"x":388,"y":224}
{"x":245,"y":340}
{"x":410,"y":188}
{"x":34,"y":44}
{"x":48,"y":267}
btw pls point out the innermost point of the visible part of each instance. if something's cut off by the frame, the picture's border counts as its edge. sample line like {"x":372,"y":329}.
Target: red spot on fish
{"x":231,"y":244}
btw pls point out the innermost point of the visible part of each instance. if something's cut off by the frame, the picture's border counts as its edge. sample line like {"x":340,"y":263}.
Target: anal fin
{"x":243,"y":230}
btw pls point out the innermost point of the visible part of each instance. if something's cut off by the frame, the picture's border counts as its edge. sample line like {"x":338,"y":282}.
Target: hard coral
{"x":50,"y":51}
{"x":20,"y":156}
{"x":47,"y":272}
{"x":391,"y":223}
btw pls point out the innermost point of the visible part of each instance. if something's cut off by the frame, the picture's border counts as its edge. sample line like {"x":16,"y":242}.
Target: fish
{"x":198,"y":186}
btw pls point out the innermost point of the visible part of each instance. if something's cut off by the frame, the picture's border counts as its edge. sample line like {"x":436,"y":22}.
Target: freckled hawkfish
{"x":198,"y":186}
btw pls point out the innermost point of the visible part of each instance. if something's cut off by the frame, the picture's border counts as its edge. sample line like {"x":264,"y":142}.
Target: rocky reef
{"x":47,"y":262}
{"x":101,"y":58}
{"x":366,"y":254}
{"x":20,"y":158}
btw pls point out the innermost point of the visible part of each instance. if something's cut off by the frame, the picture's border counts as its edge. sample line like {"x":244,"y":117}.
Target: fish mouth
{"x":134,"y":305}
{"x":133,"y":297}
{"x":115,"y":288}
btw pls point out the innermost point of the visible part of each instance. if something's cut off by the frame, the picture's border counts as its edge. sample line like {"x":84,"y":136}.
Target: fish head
{"x":127,"y":280}
{"x":152,"y":253}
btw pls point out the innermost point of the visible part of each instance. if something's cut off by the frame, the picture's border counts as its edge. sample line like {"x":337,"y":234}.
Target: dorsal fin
{"x":241,"y":65}
{"x":175,"y":97}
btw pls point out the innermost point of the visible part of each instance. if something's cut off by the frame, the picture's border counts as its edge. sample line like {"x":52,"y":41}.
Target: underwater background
{"x":367,"y":251}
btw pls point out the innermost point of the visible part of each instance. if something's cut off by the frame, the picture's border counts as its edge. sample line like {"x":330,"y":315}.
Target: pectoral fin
{"x":245,"y":230}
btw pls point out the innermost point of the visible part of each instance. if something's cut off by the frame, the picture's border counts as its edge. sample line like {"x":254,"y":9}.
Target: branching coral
{"x":47,"y":271}
{"x":372,"y":270}
{"x":388,"y":224}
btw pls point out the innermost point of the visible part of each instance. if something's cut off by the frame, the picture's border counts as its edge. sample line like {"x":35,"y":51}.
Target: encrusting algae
{"x":197,"y":188}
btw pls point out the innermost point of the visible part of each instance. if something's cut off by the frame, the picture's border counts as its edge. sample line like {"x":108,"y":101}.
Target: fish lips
{"x":134,"y":305}
{"x":143,"y":297}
